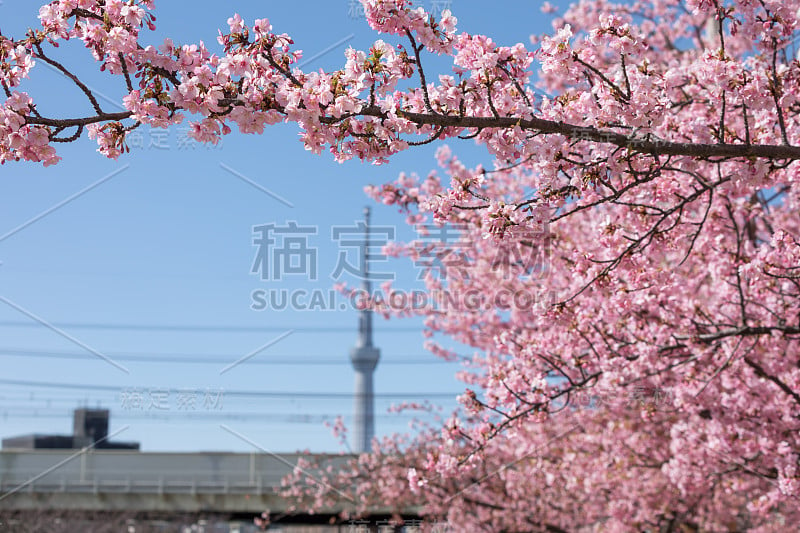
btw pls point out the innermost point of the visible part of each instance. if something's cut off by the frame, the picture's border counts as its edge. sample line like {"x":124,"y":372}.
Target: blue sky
{"x":147,"y":260}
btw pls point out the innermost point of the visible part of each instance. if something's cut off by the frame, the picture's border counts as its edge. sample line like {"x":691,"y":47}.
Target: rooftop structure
{"x":89,"y":429}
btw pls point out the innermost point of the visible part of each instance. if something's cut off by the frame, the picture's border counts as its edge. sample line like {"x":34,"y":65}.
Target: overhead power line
{"x":12,"y":412}
{"x":216,"y":359}
{"x":205,"y":328}
{"x":232,"y":393}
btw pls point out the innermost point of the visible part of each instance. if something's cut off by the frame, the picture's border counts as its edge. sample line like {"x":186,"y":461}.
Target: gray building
{"x":89,"y":429}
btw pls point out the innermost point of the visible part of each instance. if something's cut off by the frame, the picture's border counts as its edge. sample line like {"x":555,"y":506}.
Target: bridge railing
{"x":137,"y":472}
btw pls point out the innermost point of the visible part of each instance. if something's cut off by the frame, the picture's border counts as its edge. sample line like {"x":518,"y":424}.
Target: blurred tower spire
{"x":364,"y":357}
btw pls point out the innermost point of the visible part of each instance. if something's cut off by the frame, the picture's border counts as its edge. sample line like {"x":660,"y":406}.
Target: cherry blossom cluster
{"x":635,"y":229}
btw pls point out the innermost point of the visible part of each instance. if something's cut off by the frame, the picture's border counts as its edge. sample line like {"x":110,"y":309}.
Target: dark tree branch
{"x":82,"y":86}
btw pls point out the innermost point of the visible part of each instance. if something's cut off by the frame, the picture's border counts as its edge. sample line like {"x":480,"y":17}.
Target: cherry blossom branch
{"x":82,"y":86}
{"x":760,"y":372}
{"x":637,"y":144}
{"x":78,"y":122}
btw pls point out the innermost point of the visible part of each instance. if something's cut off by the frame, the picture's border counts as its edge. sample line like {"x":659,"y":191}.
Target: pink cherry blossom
{"x":624,"y":283}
